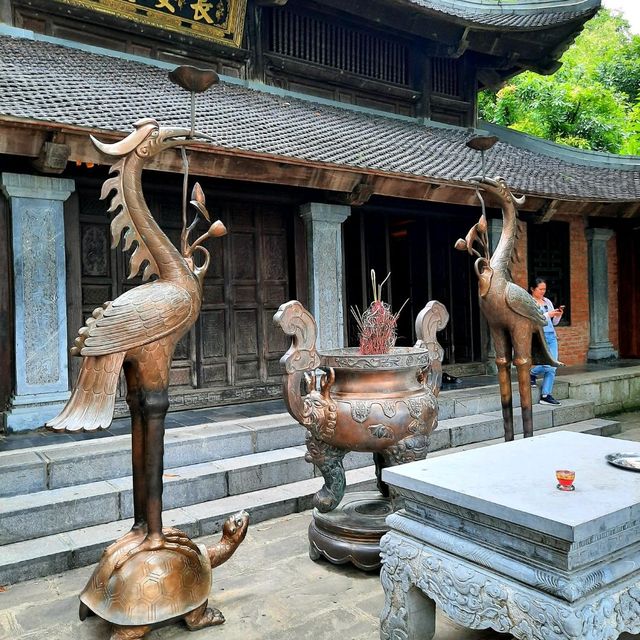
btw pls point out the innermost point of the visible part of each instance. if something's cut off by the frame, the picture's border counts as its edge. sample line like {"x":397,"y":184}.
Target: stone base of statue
{"x":352,"y":531}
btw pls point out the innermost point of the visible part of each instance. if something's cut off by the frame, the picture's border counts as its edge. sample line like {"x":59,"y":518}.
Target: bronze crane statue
{"x":515,"y":320}
{"x":138,"y":332}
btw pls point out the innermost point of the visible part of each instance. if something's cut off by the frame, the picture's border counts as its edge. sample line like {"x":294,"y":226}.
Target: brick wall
{"x":574,"y":340}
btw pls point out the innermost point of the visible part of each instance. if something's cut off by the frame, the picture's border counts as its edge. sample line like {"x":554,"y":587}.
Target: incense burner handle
{"x":315,"y":410}
{"x":433,"y":318}
{"x":301,"y":359}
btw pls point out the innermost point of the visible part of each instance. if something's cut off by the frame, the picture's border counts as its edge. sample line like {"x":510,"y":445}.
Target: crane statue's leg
{"x":155,"y":403}
{"x":523,"y":366}
{"x":522,"y":360}
{"x":152,"y":372}
{"x":502,"y":343}
{"x":137,"y":447}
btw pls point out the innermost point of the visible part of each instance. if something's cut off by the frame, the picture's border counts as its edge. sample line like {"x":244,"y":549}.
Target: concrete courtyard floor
{"x":269,"y":590}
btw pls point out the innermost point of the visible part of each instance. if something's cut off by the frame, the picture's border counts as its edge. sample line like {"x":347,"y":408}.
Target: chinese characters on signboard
{"x":218,"y":20}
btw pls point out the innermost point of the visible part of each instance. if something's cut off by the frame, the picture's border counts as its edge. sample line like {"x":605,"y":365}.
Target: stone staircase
{"x":61,"y":504}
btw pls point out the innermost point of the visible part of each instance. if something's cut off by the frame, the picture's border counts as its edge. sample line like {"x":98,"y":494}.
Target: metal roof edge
{"x":562,"y":151}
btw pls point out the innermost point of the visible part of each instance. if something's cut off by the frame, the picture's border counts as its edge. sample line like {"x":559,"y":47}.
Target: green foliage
{"x":591,"y":102}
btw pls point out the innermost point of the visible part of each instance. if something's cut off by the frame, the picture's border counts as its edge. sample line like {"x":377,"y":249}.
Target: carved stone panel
{"x":40,"y":293}
{"x":416,"y":577}
{"x":39,"y":283}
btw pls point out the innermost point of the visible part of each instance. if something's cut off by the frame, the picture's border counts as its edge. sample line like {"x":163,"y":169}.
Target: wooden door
{"x":246,"y":283}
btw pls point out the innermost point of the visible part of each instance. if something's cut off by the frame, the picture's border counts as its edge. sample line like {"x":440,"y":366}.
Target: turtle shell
{"x":151,"y":587}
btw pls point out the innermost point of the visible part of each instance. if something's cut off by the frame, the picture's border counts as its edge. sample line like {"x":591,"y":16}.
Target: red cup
{"x":565,"y":479}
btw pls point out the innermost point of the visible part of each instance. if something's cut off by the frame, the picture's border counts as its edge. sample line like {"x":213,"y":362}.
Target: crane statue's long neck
{"x":501,"y":257}
{"x":171,"y":265}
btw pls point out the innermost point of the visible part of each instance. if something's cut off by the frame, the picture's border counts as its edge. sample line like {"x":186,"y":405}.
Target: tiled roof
{"x":47,"y":82}
{"x":513,"y":15}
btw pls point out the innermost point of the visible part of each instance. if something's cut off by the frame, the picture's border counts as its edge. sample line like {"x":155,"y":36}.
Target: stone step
{"x":478,"y":427}
{"x":56,"y":510}
{"x":457,"y":403}
{"x":54,"y":553}
{"x":58,"y":552}
{"x":33,"y":515}
{"x":74,"y":463}
{"x":592,"y":426}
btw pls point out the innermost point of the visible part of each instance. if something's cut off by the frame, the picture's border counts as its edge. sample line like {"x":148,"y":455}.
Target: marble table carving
{"x":486,"y":536}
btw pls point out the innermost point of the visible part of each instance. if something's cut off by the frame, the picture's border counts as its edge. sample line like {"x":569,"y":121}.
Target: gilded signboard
{"x":219,"y":20}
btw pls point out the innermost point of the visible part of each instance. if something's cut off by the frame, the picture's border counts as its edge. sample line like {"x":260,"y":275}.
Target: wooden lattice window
{"x":318,"y":40}
{"x":445,"y":77}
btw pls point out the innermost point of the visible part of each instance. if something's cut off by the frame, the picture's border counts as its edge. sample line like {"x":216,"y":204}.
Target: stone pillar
{"x":39,"y":283}
{"x":600,"y":348}
{"x":324,"y":250}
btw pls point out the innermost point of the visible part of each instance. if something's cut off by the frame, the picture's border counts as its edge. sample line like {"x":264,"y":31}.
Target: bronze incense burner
{"x":383,"y":404}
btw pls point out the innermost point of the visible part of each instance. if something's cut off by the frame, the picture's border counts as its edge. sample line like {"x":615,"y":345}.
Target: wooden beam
{"x":548,"y":211}
{"x":632,"y":210}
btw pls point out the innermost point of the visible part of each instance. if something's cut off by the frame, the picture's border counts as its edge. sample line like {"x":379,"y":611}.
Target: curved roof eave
{"x":510,"y":14}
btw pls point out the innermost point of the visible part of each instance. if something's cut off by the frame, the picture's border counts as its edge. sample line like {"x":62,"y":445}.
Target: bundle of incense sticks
{"x":377,"y":324}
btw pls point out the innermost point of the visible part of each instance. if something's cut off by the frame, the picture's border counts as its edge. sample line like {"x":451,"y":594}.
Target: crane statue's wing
{"x":139,"y":316}
{"x":522,"y":303}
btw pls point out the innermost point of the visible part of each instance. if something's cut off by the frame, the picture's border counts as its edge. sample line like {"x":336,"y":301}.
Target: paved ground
{"x":270,"y":590}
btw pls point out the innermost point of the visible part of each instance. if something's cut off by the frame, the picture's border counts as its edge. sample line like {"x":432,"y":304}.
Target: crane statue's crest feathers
{"x":122,"y":221}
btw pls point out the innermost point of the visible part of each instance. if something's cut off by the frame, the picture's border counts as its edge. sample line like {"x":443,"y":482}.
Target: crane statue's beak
{"x":174,"y":137}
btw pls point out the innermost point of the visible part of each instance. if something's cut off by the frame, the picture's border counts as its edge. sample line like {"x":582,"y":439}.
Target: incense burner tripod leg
{"x":328,"y":460}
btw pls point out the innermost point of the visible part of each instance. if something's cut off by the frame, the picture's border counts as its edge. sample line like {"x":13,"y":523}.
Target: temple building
{"x":339,"y":146}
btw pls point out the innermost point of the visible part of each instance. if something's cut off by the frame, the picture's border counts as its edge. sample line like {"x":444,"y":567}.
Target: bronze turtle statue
{"x":154,"y":587}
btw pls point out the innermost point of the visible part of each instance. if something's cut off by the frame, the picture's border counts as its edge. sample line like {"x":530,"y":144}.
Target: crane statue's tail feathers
{"x":91,"y":404}
{"x":540,"y":353}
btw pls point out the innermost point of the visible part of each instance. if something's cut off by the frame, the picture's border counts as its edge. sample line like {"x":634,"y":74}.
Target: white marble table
{"x":485,"y":535}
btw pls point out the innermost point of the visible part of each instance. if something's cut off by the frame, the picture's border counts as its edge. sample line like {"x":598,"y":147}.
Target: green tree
{"x":591,"y":102}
